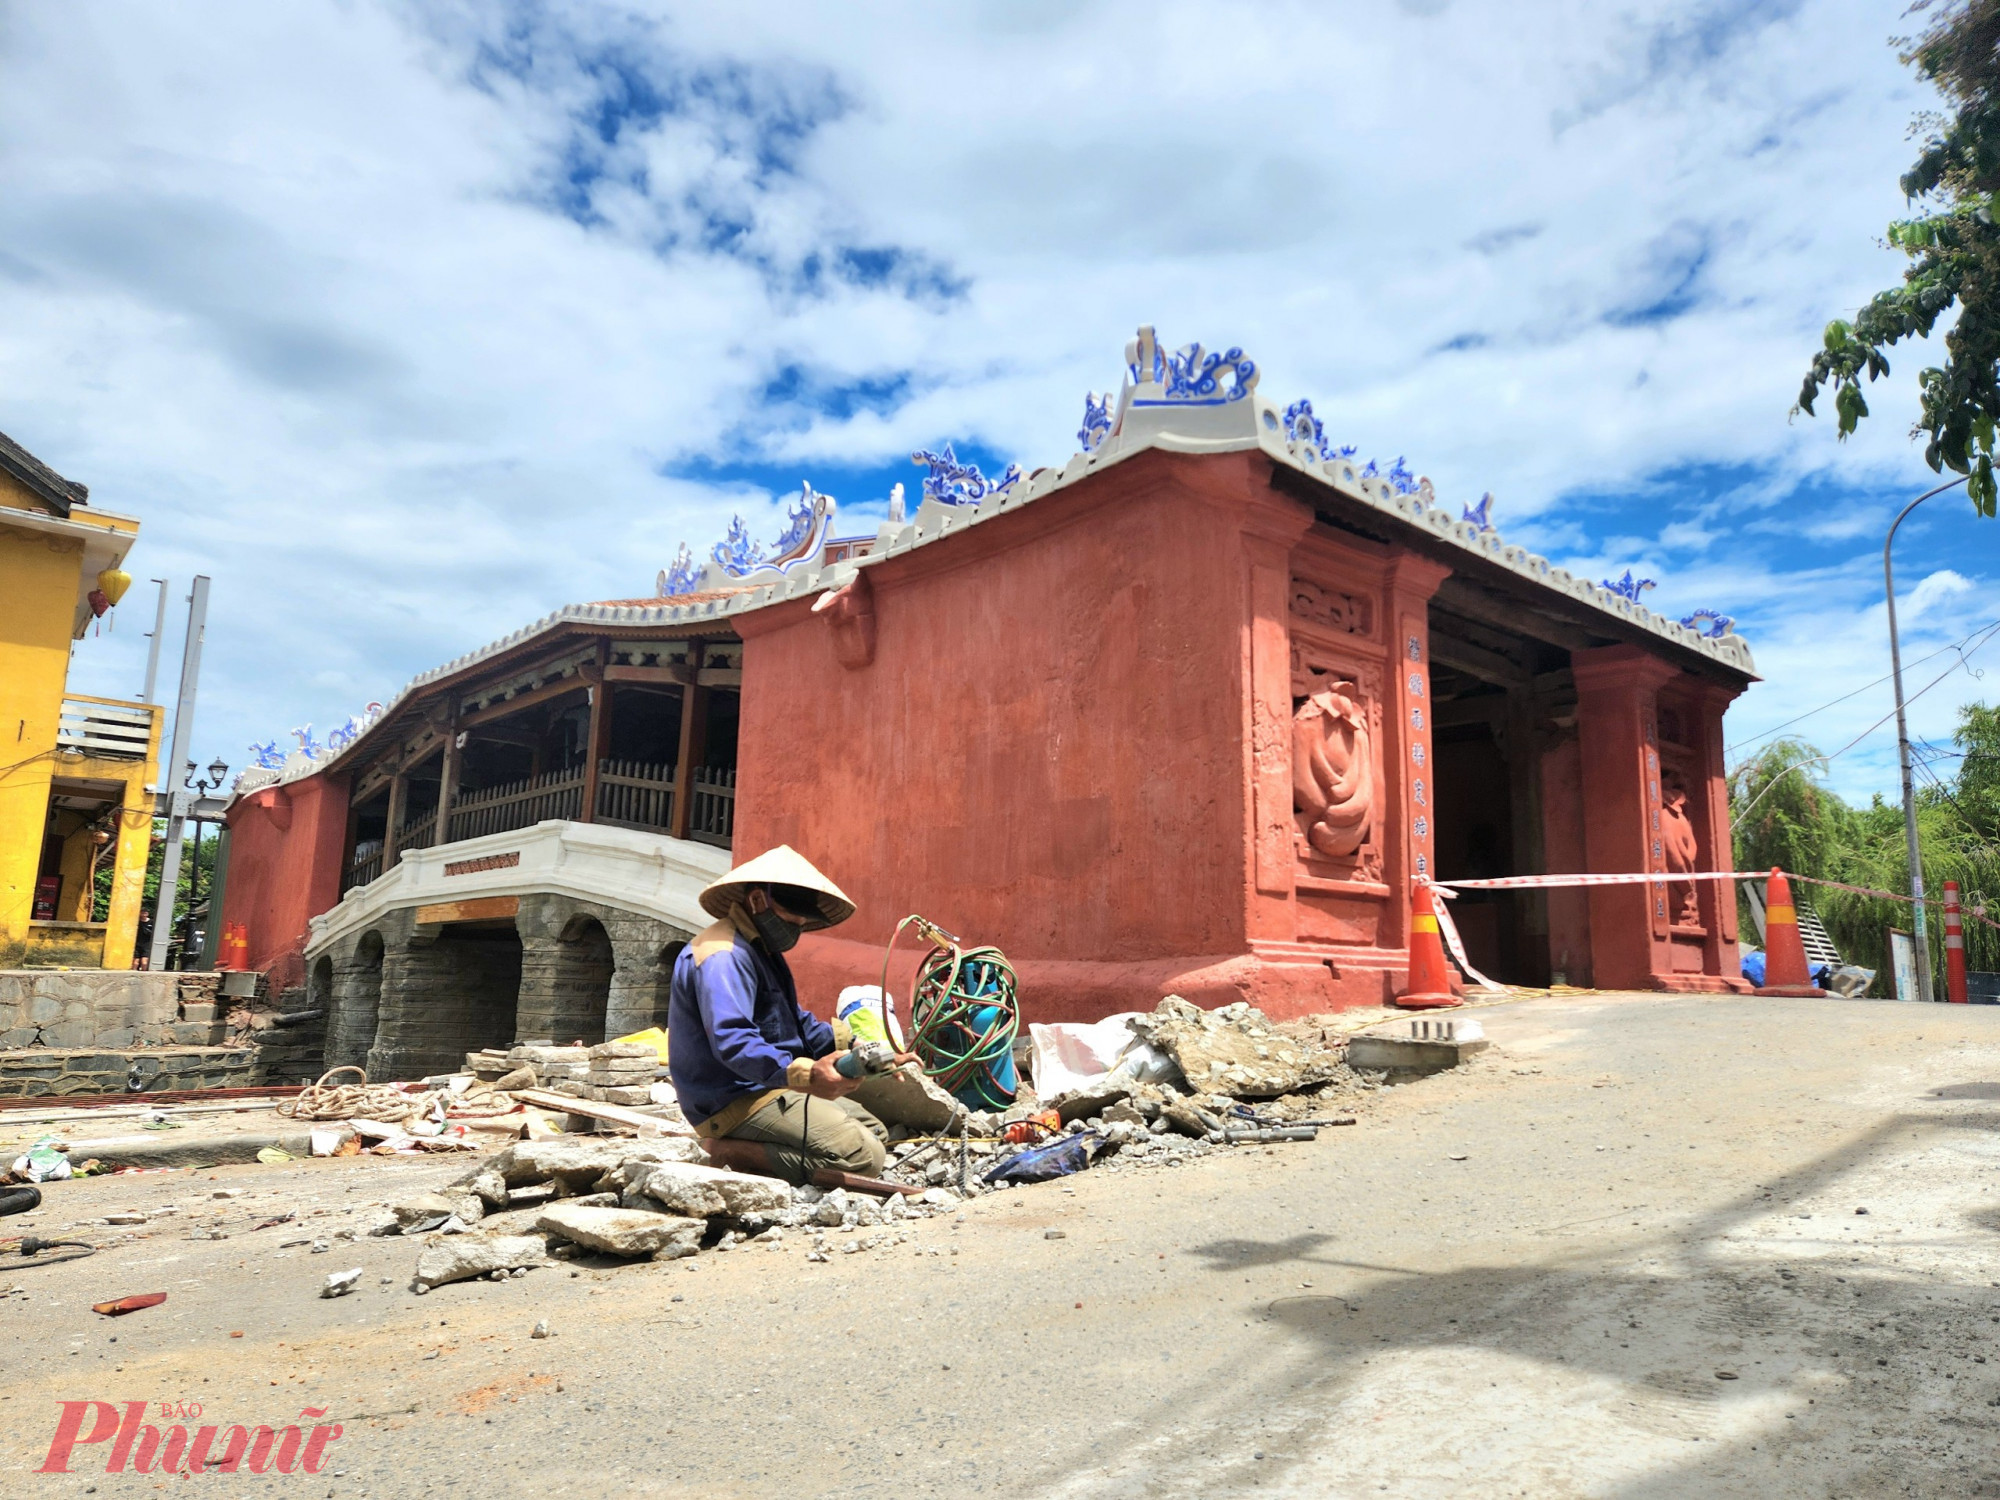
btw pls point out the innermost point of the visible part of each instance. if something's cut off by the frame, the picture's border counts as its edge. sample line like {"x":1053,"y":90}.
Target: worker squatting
{"x":757,"y":1075}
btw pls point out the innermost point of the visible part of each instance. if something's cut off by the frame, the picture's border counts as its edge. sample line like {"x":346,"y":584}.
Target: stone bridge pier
{"x":409,"y":999}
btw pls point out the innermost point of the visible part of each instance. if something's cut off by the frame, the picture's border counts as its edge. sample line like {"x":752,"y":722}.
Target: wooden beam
{"x":694,"y":743}
{"x":597,"y":742}
{"x":1457,"y":596}
{"x":1477,"y":661}
{"x":472,"y":909}
{"x":671,"y":676}
{"x":590,"y":1109}
{"x":522,"y":702}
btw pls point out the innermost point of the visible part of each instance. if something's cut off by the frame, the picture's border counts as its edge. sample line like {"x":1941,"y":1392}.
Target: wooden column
{"x":447,"y":781}
{"x":399,"y":789}
{"x":1524,"y":796}
{"x":694,"y":744}
{"x":597,"y":744}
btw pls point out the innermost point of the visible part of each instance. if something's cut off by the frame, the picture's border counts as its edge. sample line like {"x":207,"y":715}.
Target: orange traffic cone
{"x":1785,"y":971}
{"x":1430,"y":975}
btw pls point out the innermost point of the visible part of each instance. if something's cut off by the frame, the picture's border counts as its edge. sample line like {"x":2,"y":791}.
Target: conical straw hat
{"x":783,"y":865}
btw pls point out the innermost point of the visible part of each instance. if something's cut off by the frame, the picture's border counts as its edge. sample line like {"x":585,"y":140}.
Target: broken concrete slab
{"x":464,"y":1256}
{"x":906,"y":1097}
{"x":1234,"y":1050}
{"x":1084,"y":1103}
{"x":1403,"y":1054}
{"x":699,"y":1191}
{"x":625,"y":1053}
{"x":584,"y":1158}
{"x":426,"y":1208}
{"x":624,"y":1231}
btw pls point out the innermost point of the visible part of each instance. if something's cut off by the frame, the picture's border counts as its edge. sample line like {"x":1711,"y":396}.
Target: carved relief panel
{"x":1337,"y":781}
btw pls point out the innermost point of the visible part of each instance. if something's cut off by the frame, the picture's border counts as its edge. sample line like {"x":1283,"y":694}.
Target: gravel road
{"x":1646,"y":1246}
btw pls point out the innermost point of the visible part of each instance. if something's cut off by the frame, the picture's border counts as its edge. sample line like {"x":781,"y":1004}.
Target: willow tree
{"x":1953,"y":247}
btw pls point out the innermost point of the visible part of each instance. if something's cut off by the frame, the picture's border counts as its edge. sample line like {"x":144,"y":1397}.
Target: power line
{"x":1953,"y":646}
{"x":1828,"y":760}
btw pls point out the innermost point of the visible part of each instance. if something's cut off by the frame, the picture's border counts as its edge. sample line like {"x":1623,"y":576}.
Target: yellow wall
{"x":40,"y":580}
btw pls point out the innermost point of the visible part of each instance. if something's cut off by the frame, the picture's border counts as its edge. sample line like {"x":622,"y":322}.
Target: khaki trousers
{"x":807,"y":1134}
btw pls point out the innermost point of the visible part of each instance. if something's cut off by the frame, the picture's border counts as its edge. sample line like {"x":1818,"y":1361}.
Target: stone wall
{"x":106,"y":1008}
{"x":57,"y":1071}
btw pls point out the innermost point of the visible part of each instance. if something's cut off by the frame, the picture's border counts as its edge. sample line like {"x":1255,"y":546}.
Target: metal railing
{"x":632,"y":794}
{"x":517,"y":804}
{"x":106,"y":726}
{"x":712,"y":806}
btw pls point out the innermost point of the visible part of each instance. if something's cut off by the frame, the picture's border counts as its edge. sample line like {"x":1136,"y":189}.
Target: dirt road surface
{"x":1647,"y":1246}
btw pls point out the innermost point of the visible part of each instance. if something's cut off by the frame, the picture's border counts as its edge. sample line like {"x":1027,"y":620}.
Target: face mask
{"x":773,"y":931}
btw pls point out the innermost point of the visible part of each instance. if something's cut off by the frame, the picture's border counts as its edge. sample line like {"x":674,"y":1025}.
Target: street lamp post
{"x":217,"y":769}
{"x":1923,"y":946}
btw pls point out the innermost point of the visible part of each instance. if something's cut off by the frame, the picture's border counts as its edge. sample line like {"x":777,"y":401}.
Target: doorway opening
{"x":1501,"y":700}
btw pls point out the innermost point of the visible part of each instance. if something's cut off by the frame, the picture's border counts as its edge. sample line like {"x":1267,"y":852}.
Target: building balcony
{"x":107,"y":728}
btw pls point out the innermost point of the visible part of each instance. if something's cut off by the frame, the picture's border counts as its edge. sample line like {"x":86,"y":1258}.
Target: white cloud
{"x":395,"y":319}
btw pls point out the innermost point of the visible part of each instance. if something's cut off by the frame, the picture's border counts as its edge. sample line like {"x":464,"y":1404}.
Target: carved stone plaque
{"x":1350,"y":614}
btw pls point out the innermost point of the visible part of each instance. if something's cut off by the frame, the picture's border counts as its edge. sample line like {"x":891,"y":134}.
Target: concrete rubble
{"x":1211,"y":1081}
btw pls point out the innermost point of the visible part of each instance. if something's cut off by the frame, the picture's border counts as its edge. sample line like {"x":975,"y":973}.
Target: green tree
{"x":1953,"y":248}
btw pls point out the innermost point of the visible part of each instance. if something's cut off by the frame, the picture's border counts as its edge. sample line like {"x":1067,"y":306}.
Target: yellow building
{"x":74,"y":770}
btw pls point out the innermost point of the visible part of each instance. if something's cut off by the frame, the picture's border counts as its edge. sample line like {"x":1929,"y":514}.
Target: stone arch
{"x":356,"y":994}
{"x":560,"y":935}
{"x":573,"y":989}
{"x":446,"y":991}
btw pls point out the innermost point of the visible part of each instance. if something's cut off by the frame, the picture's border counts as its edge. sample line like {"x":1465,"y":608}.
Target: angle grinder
{"x":864,"y":1059}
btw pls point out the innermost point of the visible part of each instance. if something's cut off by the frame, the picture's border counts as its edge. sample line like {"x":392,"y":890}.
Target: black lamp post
{"x":217,"y":769}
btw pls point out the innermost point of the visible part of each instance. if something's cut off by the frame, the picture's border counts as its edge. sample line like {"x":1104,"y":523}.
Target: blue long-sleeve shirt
{"x":734,"y":1024}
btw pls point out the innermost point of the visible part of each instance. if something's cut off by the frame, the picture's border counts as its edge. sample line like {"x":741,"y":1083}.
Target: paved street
{"x":1623,"y":1254}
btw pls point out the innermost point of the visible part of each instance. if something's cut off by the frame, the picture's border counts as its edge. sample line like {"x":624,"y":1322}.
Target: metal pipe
{"x":173,"y":778}
{"x":1922,"y":943}
{"x":153,"y":651}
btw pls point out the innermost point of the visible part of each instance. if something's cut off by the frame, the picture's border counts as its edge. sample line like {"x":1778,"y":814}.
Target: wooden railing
{"x":632,"y":794}
{"x":517,"y":804}
{"x":419,"y":833}
{"x":712,"y":806}
{"x":365,"y":869}
{"x":106,"y":726}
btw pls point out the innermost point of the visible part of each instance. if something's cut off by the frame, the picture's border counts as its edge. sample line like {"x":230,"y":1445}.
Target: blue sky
{"x":410,"y":322}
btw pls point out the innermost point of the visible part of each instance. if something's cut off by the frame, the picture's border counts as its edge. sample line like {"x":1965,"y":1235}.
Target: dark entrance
{"x":1501,"y":699}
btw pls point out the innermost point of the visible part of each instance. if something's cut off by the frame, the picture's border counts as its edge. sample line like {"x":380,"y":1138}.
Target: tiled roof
{"x":699,"y":596}
{"x":46,"y":484}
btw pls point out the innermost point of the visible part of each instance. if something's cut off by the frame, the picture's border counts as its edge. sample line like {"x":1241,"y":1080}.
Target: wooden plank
{"x":473,"y":909}
{"x":611,"y":1114}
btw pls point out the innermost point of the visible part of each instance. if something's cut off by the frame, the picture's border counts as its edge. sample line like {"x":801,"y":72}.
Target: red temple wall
{"x":285,"y":847}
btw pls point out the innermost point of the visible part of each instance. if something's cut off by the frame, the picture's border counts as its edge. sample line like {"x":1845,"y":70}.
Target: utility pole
{"x":153,"y":651}
{"x":174,"y":776}
{"x":1922,"y":943}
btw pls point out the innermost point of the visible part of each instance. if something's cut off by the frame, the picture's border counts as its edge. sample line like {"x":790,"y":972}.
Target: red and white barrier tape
{"x":1449,"y":930}
{"x":1633,"y":877}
